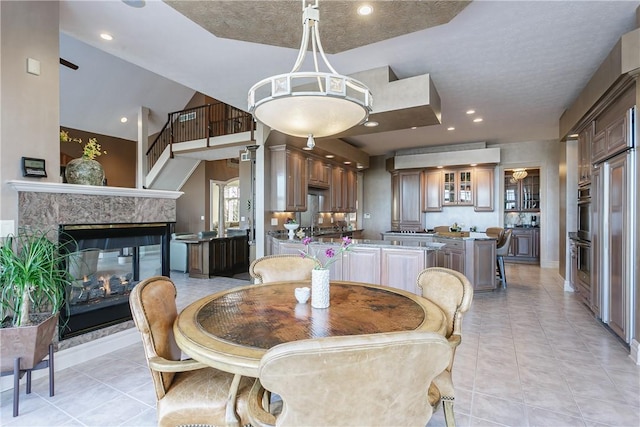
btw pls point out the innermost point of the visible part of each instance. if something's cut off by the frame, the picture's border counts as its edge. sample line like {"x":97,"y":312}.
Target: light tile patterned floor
{"x":531,"y":355}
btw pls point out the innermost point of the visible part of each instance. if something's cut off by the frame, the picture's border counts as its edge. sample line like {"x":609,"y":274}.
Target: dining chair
{"x":377,"y":379}
{"x":276,"y":268}
{"x":452,"y":292}
{"x":187,"y":391}
{"x":496,"y":233}
{"x":501,"y":251}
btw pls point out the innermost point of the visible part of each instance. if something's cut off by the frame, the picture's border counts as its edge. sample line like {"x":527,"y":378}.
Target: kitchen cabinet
{"x":288,"y":180}
{"x":400,"y":268}
{"x":220,"y":256}
{"x":343,"y":190}
{"x":596,"y":213}
{"x":525,"y":246}
{"x":319,"y":173}
{"x":432,"y":194}
{"x":361,"y":264}
{"x":522,"y":195}
{"x":612,"y":129}
{"x":406,"y":206}
{"x":475,"y":258}
{"x":350,"y":190}
{"x":483,"y":189}
{"x":457,"y":187}
{"x":484,"y":273}
{"x":585,"y":144}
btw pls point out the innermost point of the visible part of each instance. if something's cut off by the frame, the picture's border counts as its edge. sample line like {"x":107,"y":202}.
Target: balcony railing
{"x":202,"y":122}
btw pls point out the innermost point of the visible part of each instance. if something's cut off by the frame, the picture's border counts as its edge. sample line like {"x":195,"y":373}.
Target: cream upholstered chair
{"x":359,"y":380}
{"x":502,"y":250}
{"x":453,"y":293}
{"x":187,"y":391}
{"x":276,"y":268}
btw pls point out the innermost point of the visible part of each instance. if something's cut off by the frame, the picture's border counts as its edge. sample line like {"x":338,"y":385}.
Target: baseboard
{"x":81,"y":353}
{"x":568,"y":287}
{"x":634,"y":354}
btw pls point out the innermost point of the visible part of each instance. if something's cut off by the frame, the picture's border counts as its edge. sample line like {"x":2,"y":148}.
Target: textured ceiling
{"x":279,"y":23}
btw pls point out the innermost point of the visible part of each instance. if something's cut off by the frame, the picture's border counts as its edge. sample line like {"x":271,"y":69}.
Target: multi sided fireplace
{"x":106,"y":261}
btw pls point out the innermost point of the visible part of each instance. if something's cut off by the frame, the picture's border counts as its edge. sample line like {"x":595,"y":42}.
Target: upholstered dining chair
{"x":276,"y":268}
{"x":377,"y":379}
{"x":496,"y":233}
{"x":502,"y":250}
{"x":187,"y":391}
{"x":453,"y":293}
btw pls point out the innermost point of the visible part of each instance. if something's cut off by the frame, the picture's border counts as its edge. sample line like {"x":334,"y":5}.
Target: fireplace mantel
{"x":54,"y":187}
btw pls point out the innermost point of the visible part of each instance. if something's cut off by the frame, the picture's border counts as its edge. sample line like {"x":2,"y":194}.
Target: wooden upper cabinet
{"x":457,"y":187}
{"x":483,"y":190}
{"x":585,"y":156}
{"x":288,"y":180}
{"x":618,"y":138}
{"x":411,"y":199}
{"x":395,"y":201}
{"x":524,"y":194}
{"x":319,"y":173}
{"x":432,"y":185}
{"x":350,"y":190}
{"x":598,"y":152}
{"x":337,"y":189}
{"x":612,"y":130}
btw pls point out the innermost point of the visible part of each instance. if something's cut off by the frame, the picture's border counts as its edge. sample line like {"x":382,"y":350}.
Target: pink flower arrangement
{"x":330,"y":254}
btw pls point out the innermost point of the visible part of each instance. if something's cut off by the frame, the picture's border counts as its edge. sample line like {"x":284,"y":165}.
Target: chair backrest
{"x":495,"y":232}
{"x":451,"y":291}
{"x":503,"y":248}
{"x":153,"y":306}
{"x":378,"y":379}
{"x":441,"y":228}
{"x":276,"y":268}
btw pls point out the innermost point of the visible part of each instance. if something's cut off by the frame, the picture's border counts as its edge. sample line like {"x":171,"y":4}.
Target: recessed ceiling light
{"x":329,"y":156}
{"x":439,"y":167}
{"x":477,"y":120}
{"x":451,"y":128}
{"x":370,"y":124}
{"x":347,"y":163}
{"x":414,"y":127}
{"x":124,"y":120}
{"x":473,"y":164}
{"x":305,"y":148}
{"x":471,"y":111}
{"x":106,"y":36}
{"x":573,"y":135}
{"x":365,"y":10}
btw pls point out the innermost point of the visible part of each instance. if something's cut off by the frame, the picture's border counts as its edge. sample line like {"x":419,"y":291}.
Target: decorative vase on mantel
{"x":84,"y":171}
{"x":320,"y":290}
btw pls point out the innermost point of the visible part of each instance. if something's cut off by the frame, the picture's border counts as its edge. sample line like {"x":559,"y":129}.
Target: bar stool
{"x":501,"y":251}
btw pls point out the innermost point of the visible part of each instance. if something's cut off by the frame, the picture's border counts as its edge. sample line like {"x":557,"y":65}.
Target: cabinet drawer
{"x":451,"y":243}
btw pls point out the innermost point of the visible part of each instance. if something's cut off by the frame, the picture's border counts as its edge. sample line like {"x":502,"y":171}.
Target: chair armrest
{"x":161,"y":364}
{"x":258,"y":416}
{"x":454,"y":341}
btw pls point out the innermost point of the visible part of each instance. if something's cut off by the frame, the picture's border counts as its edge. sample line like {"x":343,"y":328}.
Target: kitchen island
{"x":398,"y":262}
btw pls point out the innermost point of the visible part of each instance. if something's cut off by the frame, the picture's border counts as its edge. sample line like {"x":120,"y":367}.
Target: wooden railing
{"x":202,"y":122}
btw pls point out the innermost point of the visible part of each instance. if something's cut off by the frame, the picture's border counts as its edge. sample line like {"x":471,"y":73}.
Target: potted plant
{"x":84,"y":170}
{"x":33,"y":284}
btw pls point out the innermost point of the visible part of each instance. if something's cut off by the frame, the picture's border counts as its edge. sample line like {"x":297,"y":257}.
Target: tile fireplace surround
{"x":46,"y":205}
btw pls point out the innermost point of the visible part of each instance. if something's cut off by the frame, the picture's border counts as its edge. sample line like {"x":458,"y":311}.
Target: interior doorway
{"x":225,"y":205}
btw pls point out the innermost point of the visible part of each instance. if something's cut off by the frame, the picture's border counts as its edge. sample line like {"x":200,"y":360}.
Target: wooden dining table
{"x":231,"y":330}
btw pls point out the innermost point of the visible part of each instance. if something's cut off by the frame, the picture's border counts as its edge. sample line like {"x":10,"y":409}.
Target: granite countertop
{"x":473,"y":235}
{"x":424,"y":245}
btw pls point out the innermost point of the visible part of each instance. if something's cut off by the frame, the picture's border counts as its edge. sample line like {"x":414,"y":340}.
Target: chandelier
{"x":312,"y":103}
{"x":519,"y":174}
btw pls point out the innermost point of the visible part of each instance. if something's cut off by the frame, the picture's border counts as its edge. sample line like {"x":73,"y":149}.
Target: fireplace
{"x":107,"y":261}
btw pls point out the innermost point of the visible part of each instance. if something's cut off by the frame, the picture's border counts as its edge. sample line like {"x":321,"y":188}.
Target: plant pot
{"x":84,"y":171}
{"x":320,"y":289}
{"x":29,"y":343}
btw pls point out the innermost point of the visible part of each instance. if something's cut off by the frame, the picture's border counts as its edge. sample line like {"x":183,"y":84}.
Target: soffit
{"x":341,"y":28}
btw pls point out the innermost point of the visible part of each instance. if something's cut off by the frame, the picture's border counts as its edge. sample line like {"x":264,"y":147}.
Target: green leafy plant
{"x":33,"y":277}
{"x":91,"y":149}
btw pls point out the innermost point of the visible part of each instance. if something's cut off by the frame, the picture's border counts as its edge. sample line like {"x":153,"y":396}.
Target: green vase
{"x":84,"y":171}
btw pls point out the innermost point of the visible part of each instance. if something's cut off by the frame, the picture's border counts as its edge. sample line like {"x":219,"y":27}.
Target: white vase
{"x":320,"y":294}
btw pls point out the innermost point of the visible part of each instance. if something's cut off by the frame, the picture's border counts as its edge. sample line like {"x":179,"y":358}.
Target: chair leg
{"x":503,"y":277}
{"x":449,"y":419}
{"x":16,"y":385}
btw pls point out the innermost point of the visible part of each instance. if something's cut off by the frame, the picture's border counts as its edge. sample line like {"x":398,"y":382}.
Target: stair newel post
{"x":170,"y":136}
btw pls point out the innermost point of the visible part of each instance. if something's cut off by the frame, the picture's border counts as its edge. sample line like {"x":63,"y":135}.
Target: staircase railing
{"x":204,"y":122}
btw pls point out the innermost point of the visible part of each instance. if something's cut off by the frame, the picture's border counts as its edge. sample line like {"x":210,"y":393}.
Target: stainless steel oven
{"x":583,"y":255}
{"x":584,"y":213}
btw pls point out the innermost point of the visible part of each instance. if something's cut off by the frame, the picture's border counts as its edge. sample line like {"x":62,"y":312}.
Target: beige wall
{"x":29,"y":104}
{"x":119,"y":163}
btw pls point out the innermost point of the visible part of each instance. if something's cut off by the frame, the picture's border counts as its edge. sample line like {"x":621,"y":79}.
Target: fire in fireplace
{"x":107,"y":262}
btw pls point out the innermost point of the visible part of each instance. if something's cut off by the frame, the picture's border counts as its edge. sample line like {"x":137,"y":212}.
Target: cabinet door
{"x":618,"y":136}
{"x":464,"y":185}
{"x":400,"y":268}
{"x":337,"y":186}
{"x":585,"y":156}
{"x":530,"y":192}
{"x":511,"y":193}
{"x":524,"y":246}
{"x":484,"y":274}
{"x":361,"y":264}
{"x":319,"y":173}
{"x":449,"y":188}
{"x":483,"y":190}
{"x":410,"y":200}
{"x":350,"y":190}
{"x":395,"y":201}
{"x":432,"y":197}
{"x":454,"y":259}
{"x":296,"y":182}
{"x":598,"y":149}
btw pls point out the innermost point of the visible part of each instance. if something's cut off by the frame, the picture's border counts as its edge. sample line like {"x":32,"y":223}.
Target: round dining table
{"x":231,"y":330}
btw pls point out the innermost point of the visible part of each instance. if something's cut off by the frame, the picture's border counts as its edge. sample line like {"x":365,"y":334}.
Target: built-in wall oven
{"x":584,"y":213}
{"x":583,"y":259}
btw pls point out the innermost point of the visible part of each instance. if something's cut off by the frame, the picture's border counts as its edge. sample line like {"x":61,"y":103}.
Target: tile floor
{"x":531,"y":355}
